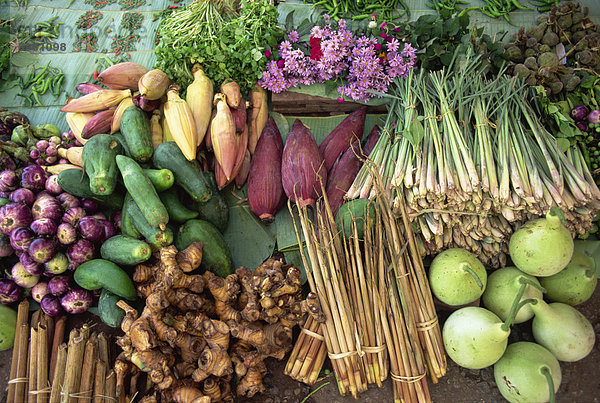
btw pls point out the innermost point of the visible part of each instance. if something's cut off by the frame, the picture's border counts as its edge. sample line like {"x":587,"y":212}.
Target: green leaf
{"x":415,"y":134}
{"x":289,"y":21}
{"x":23,"y":59}
{"x":563,"y":143}
{"x":552,"y":109}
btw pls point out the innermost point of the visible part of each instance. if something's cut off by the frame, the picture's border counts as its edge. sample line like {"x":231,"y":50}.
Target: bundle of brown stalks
{"x":373,"y":289}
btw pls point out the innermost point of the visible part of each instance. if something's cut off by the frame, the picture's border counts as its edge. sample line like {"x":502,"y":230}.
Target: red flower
{"x":315,"y":48}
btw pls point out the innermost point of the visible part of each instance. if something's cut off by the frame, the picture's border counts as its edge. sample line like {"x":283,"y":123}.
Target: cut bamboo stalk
{"x":103,"y":350}
{"x":22,"y":319}
{"x":85,"y":392}
{"x":99,"y":381}
{"x":73,"y":367}
{"x":57,"y":339}
{"x":110,"y":387}
{"x":23,"y":361}
{"x":59,"y":373}
{"x":42,"y":363}
{"x":33,"y":346}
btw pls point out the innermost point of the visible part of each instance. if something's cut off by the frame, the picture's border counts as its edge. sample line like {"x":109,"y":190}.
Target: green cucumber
{"x":135,"y":128}
{"x":141,"y":189}
{"x":216,"y":210}
{"x":98,"y":158}
{"x":109,"y":312}
{"x":121,"y":249}
{"x":156,"y":237}
{"x":127,"y":227}
{"x":188,"y":174}
{"x":162,"y":179}
{"x":177,"y":211}
{"x":216,"y":256}
{"x":76,"y":182}
{"x":99,"y":273}
{"x":121,"y":139}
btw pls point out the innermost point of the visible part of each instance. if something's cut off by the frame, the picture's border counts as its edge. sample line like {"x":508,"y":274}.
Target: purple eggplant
{"x":109,"y":229}
{"x":43,"y":193}
{"x":58,"y":285}
{"x":43,"y":226}
{"x":90,"y":206}
{"x":5,"y":246}
{"x":51,"y":305}
{"x":582,"y":126}
{"x":66,"y":233}
{"x":21,"y":239}
{"x":47,"y":207}
{"x":73,"y":215}
{"x":9,"y":291}
{"x":22,"y":195}
{"x":33,"y":177}
{"x":99,"y":216}
{"x":8,"y":181}
{"x":57,"y":265}
{"x":21,"y":277}
{"x":594,"y":117}
{"x":42,"y":249}
{"x":31,"y":266}
{"x":579,"y":112}
{"x":52,"y":185}
{"x":67,"y":201}
{"x":39,"y":291}
{"x":81,"y":251}
{"x":73,"y":265}
{"x":116,"y":220}
{"x":76,"y":301}
{"x":5,"y":195}
{"x":91,"y":228}
{"x":14,"y":215}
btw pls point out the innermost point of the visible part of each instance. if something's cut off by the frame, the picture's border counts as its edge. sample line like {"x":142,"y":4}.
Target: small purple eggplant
{"x":90,"y":206}
{"x":9,"y":291}
{"x":109,"y":229}
{"x":99,"y":216}
{"x":8,"y":181}
{"x":52,"y":185}
{"x":579,"y":112}
{"x":21,"y":239}
{"x":81,"y":251}
{"x":73,"y":215}
{"x":91,"y":228}
{"x":42,"y":249}
{"x":66,"y":234}
{"x":582,"y":126}
{"x":67,"y":201}
{"x":59,"y":285}
{"x":39,"y":291}
{"x":51,"y":305}
{"x":33,"y":177}
{"x":22,"y":195}
{"x":43,"y":226}
{"x":47,"y":207}
{"x":76,"y":301}
{"x":14,"y":215}
{"x":116,"y":220}
{"x":31,"y":266}
{"x":57,"y":265}
{"x":5,"y":246}
{"x":21,"y":277}
{"x":73,"y":265}
{"x":594,"y":117}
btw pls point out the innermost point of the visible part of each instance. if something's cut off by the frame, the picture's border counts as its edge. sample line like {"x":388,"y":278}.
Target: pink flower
{"x":293,"y":36}
{"x":397,"y":29}
{"x":268,"y":53}
{"x":383,"y":35}
{"x":340,"y":99}
{"x":378,"y":46}
{"x":280,"y":63}
{"x":383,"y":25}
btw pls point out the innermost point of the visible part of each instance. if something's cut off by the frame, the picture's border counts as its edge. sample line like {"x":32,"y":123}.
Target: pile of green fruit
{"x":559,"y":51}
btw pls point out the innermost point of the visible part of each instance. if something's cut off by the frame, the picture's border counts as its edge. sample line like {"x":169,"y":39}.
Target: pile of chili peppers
{"x":88,"y":20}
{"x":38,"y":82}
{"x":86,"y":42}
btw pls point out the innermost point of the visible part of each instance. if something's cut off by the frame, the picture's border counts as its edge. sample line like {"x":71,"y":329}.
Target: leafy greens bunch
{"x":228,"y":43}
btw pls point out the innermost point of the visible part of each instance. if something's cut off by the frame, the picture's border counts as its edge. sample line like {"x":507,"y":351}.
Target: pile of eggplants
{"x":45,"y":234}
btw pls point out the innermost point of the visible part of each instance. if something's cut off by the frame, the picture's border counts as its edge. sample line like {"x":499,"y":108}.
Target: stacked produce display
{"x":468,"y":198}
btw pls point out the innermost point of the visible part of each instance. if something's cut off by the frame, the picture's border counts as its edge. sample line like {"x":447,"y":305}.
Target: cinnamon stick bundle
{"x":73,"y":367}
{"x":22,"y":319}
{"x":59,"y":373}
{"x":22,"y":359}
{"x":88,"y":371}
{"x":99,"y":382}
{"x":58,"y":338}
{"x":42,"y":363}
{"x":32,"y":385}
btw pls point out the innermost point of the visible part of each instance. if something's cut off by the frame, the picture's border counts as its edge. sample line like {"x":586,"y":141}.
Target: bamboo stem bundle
{"x":308,"y":355}
{"x":33,"y":356}
{"x":42,"y":391}
{"x":73,"y":366}
{"x":22,"y":319}
{"x":88,"y":370}
{"x":59,"y":373}
{"x":99,"y":382}
{"x":58,"y":338}
{"x":21,"y":379}
{"x":339,"y":329}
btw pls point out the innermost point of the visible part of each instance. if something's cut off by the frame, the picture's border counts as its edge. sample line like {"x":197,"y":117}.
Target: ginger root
{"x":197,"y":330}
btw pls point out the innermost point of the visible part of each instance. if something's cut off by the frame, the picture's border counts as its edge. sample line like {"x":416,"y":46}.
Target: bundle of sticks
{"x":373,"y":289}
{"x":46,"y":369}
{"x":473,"y":161}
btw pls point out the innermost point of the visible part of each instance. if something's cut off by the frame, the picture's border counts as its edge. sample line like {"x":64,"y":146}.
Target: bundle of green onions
{"x":473,"y":162}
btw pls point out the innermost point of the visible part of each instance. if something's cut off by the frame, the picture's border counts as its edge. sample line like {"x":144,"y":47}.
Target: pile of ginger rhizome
{"x":199,"y":334}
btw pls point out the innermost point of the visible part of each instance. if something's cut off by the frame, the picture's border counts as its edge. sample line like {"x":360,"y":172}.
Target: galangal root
{"x":199,"y":331}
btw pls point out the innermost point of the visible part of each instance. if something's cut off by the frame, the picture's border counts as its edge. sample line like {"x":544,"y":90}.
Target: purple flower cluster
{"x":366,"y":64}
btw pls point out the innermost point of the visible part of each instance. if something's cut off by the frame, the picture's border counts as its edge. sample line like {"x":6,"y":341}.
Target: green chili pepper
{"x":36,"y":97}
